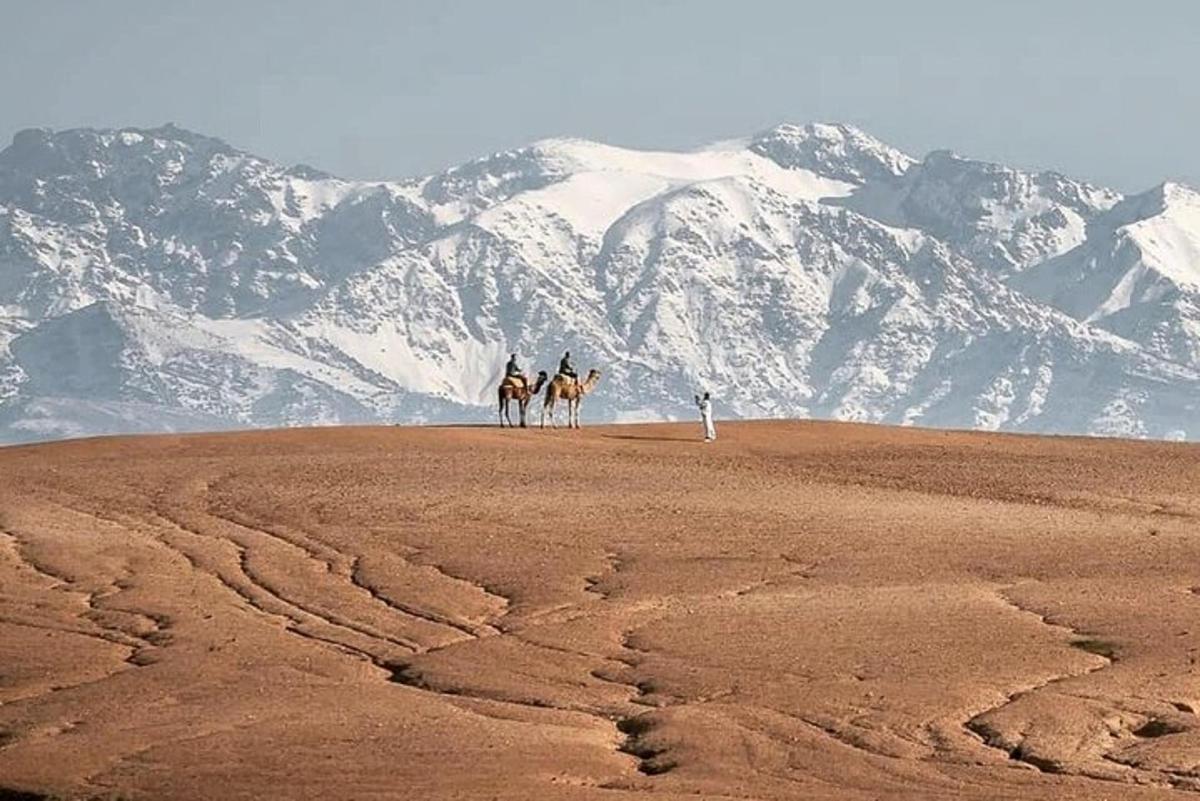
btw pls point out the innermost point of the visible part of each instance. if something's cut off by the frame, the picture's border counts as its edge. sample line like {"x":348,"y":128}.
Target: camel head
{"x":593,"y":378}
{"x":542,"y":377}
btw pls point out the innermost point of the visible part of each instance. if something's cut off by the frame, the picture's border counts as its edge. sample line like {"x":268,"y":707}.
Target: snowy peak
{"x":1136,"y":275}
{"x":570,"y":191}
{"x":1175,"y":194}
{"x":480,"y":183}
{"x":1006,"y":219}
{"x":55,"y":160}
{"x":842,"y":152}
{"x":1170,"y":240}
{"x":1156,"y":232}
{"x":994,"y":189}
{"x":165,"y":216}
{"x":1168,"y":198}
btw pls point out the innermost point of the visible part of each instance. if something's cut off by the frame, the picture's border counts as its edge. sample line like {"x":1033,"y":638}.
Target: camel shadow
{"x":442,"y":425}
{"x":649,"y":439}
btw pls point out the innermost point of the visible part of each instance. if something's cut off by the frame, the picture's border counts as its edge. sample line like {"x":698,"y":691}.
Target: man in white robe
{"x":705,"y":405}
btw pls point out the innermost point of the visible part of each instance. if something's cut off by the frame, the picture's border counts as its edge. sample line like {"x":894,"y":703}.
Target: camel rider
{"x":566,"y":368}
{"x":513,"y":370}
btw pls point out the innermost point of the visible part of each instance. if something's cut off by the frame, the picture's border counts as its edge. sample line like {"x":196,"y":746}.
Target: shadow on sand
{"x":637,"y":438}
{"x":9,"y":794}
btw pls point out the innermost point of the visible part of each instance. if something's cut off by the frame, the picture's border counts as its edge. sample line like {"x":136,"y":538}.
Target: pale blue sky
{"x":1101,"y":90}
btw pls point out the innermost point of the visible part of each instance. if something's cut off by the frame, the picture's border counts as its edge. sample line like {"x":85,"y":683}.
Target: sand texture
{"x":797,"y":611}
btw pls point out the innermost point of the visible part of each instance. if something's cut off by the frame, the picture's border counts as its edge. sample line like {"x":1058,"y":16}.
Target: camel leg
{"x":500,"y":412}
{"x":521,"y":408}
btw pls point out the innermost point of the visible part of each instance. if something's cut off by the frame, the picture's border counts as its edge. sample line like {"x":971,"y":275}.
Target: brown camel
{"x":519,"y":390}
{"x":565,"y":388}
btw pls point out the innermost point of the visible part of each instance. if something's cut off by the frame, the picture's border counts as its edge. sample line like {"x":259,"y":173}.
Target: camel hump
{"x":514,"y":381}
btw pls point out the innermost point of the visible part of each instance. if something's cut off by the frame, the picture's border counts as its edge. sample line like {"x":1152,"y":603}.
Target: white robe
{"x":710,"y":431}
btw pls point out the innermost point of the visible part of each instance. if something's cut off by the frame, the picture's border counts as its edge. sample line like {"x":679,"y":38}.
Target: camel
{"x":564,"y":388}
{"x":519,"y":390}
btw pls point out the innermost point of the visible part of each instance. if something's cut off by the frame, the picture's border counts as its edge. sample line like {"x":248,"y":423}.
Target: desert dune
{"x":797,"y":611}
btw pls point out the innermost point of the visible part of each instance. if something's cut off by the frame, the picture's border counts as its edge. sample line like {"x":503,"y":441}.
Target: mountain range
{"x":162,"y":280}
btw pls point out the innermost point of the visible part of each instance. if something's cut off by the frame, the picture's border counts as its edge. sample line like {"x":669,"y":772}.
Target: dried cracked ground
{"x":799,"y":611}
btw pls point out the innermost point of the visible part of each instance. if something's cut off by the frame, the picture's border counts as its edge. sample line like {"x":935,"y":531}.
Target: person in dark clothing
{"x":566,"y":368}
{"x":512,"y":369}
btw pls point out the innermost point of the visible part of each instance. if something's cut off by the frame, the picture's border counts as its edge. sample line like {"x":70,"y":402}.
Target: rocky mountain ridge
{"x":158,"y":279}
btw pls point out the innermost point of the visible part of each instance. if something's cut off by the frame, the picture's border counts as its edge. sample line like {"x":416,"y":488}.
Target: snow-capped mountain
{"x":1003,"y":219}
{"x":1136,"y":275}
{"x":162,"y":280}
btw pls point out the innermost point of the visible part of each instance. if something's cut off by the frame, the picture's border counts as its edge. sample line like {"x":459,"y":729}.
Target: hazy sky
{"x":1103,"y":90}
